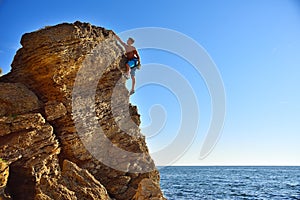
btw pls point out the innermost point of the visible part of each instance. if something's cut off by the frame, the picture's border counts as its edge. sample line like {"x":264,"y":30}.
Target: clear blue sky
{"x":255,"y":45}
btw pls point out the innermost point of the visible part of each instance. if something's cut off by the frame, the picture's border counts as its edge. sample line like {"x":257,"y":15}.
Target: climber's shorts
{"x":132,"y":71}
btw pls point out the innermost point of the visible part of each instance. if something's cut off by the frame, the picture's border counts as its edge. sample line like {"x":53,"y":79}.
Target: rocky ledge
{"x":61,"y":135}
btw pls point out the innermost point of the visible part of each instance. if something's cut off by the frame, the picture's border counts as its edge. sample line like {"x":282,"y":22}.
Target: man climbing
{"x":133,"y":60}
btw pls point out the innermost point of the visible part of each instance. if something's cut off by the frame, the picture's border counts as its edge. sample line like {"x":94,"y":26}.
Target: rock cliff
{"x":67,"y":129}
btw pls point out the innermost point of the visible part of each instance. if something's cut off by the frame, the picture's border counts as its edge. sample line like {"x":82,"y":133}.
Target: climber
{"x":133,"y":60}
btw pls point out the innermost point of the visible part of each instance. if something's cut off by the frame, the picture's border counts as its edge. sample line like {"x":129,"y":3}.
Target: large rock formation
{"x":61,"y":135}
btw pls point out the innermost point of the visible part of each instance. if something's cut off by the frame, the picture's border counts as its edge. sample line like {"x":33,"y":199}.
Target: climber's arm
{"x":121,"y":42}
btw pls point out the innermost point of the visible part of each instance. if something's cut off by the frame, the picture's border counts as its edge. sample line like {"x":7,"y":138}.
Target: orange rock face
{"x":67,"y":129}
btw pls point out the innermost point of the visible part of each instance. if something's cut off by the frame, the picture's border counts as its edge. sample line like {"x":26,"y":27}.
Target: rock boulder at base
{"x":148,"y":190}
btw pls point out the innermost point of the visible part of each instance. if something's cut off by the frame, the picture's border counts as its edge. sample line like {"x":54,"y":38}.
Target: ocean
{"x":261,"y":183}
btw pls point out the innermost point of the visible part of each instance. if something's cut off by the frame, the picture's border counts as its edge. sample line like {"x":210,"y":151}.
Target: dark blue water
{"x":189,"y":183}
